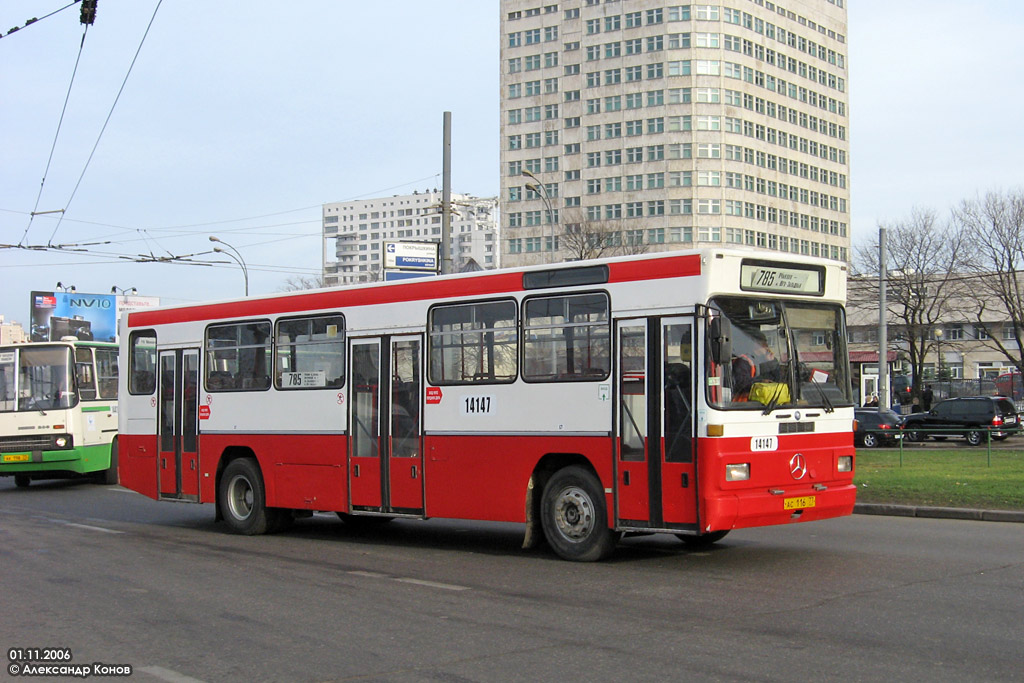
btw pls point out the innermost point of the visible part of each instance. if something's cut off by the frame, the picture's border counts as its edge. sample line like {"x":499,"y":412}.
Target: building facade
{"x":355,"y":232}
{"x":647,"y":126}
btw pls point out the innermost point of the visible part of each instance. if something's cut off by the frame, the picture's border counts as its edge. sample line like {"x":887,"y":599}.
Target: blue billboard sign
{"x":89,"y":317}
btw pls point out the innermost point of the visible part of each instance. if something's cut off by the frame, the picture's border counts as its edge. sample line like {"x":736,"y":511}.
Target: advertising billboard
{"x":89,"y":317}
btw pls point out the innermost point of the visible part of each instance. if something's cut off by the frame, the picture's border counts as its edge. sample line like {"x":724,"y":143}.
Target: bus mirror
{"x":721,"y":339}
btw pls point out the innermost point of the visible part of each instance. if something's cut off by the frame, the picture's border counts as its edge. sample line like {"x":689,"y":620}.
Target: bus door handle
{"x":413,"y":471}
{"x":625,"y":478}
{"x":355,"y":470}
{"x":163,"y":463}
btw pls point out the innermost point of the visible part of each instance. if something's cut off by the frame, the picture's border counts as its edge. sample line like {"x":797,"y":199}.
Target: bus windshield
{"x":35,"y":378}
{"x":765,"y":354}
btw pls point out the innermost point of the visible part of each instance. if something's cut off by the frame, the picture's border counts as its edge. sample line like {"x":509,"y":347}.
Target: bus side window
{"x":141,"y":363}
{"x":84,"y":375}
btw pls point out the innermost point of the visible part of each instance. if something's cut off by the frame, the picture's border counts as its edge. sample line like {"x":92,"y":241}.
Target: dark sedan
{"x":876,"y":428}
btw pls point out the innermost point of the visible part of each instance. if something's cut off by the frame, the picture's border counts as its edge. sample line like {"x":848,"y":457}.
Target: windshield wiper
{"x":829,"y":408}
{"x":774,"y":400}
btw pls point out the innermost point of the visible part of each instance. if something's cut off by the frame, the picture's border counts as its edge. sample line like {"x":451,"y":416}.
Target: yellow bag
{"x":769,"y":392}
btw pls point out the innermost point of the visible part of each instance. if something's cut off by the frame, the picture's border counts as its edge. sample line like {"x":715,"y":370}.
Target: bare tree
{"x":924,"y":261}
{"x":297,"y":283}
{"x":994,"y":227}
{"x":586,"y":239}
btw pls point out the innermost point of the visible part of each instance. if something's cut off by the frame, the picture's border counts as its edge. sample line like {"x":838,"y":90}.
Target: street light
{"x":938,"y":353}
{"x":67,"y":288}
{"x":121,"y":290}
{"x":538,"y":187}
{"x":236,"y":256}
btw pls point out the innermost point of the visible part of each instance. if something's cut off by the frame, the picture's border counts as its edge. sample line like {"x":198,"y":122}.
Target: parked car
{"x":967,"y":416}
{"x":876,"y":428}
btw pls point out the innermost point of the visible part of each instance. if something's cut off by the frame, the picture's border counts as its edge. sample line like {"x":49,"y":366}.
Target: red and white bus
{"x":687,"y":393}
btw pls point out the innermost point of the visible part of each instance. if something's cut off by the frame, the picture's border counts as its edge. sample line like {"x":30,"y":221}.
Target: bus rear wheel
{"x":574,"y":518}
{"x":242,"y":499}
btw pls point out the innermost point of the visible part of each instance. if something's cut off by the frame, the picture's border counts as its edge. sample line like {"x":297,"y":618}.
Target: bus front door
{"x":656,"y":483}
{"x":178,"y":452}
{"x":385,"y":425}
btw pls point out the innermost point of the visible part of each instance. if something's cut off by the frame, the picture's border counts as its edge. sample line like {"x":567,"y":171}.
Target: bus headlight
{"x":846,"y":463}
{"x":737,"y":472}
{"x":61,"y":441}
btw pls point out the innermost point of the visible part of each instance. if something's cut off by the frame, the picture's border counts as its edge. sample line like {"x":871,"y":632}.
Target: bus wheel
{"x":702,"y":540}
{"x":22,"y":480}
{"x":574,"y":518}
{"x":242,"y":500}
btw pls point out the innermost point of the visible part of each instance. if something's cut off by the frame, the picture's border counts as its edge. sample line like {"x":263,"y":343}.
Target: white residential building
{"x":663,"y":125}
{"x":355,"y":232}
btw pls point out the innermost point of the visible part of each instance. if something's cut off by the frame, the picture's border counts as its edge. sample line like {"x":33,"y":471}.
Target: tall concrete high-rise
{"x":355,"y":232}
{"x":640,"y":125}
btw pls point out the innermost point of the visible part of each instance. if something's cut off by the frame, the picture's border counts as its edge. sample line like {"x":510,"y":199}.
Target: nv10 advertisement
{"x":87,"y":317}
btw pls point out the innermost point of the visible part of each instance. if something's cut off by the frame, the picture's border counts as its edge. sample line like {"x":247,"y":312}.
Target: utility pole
{"x":883,"y":337}
{"x":446,"y":197}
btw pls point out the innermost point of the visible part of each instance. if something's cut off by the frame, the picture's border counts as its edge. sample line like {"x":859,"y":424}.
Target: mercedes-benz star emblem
{"x":798,"y":466}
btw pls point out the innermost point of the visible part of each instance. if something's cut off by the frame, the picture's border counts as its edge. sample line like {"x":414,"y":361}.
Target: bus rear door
{"x":178,"y":449}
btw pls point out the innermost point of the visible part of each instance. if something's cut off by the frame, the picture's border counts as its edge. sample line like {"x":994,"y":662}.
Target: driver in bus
{"x":758,"y":366}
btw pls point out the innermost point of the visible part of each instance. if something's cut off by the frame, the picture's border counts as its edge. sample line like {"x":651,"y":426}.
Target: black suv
{"x":967,"y":416}
{"x":875,"y":428}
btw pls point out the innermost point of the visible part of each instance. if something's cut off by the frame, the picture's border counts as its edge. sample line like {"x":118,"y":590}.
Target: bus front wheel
{"x":242,"y":499}
{"x":574,"y":517}
{"x":22,"y":481}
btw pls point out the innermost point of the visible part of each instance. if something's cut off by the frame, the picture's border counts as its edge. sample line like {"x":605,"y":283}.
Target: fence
{"x":1009,"y":385}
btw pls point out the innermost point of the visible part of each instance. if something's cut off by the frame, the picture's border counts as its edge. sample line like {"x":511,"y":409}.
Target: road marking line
{"x":369,"y":575}
{"x":92,"y":528}
{"x":434,"y":584}
{"x":168,"y":675}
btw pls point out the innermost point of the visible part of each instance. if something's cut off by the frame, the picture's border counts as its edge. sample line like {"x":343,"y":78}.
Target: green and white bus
{"x":58,"y":410}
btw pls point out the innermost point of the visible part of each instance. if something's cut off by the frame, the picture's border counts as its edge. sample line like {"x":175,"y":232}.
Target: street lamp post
{"x":65,"y":288}
{"x":538,"y":187}
{"x":938,"y":354}
{"x":236,"y":256}
{"x":123,"y":291}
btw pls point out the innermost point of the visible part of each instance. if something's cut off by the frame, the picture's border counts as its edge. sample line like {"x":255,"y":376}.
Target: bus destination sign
{"x":770,"y":277}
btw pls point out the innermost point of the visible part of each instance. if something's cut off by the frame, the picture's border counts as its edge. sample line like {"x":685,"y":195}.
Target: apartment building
{"x":355,"y":232}
{"x":649,"y":126}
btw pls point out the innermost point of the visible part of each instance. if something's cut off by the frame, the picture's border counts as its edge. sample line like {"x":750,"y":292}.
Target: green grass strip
{"x":945,"y":478}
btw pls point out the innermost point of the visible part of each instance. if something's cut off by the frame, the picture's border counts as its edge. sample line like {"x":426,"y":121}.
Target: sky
{"x":239,"y":120}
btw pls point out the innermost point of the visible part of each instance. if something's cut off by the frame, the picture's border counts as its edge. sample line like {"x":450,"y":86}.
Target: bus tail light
{"x":846,"y":463}
{"x":737,"y":472}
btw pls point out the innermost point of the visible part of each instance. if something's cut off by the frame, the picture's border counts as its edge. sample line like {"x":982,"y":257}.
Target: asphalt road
{"x":120,"y":579}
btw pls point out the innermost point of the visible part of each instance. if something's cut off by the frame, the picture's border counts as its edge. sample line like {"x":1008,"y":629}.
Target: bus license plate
{"x":798,"y":503}
{"x":23,"y":457}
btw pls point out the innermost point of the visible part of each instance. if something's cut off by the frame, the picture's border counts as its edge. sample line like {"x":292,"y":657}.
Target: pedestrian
{"x":926,"y":398}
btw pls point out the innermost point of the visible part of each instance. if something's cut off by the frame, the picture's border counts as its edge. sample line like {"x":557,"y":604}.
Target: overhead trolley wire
{"x":107,"y":121}
{"x":49,"y":160}
{"x":36,"y":20}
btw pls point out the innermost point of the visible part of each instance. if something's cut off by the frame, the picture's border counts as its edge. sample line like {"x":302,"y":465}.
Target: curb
{"x":939,"y":512}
